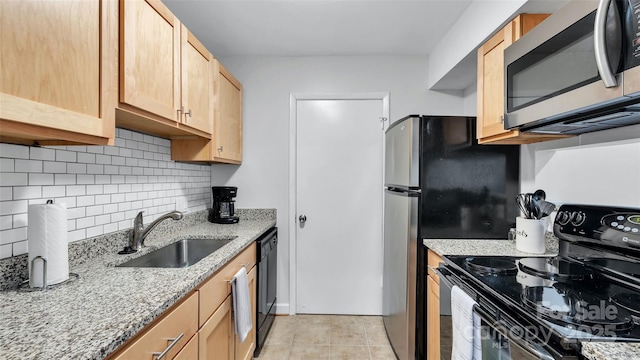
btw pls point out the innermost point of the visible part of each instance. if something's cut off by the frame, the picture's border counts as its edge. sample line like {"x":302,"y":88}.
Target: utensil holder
{"x":530,"y":235}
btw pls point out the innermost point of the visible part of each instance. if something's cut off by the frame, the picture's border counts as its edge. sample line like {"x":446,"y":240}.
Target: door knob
{"x":302,"y":219}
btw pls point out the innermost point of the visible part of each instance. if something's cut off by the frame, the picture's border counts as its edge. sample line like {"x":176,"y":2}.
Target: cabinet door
{"x":197,"y":83}
{"x":490,"y":109}
{"x":58,"y":77}
{"x":433,"y":319}
{"x":244,"y":350}
{"x":216,"y":336}
{"x":491,"y":83}
{"x":150,"y":58}
{"x":189,"y":351}
{"x":228,"y":118}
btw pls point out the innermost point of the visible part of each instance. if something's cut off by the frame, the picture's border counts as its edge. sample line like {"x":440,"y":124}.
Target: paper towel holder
{"x":44,"y":265}
{"x":25,"y":285}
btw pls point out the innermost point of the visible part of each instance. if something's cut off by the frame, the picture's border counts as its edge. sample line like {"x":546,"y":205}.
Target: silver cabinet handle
{"x":602,"y":61}
{"x":220,"y":149}
{"x":174,"y":341}
{"x":187,"y":113}
{"x":302,"y":219}
{"x":501,"y":119}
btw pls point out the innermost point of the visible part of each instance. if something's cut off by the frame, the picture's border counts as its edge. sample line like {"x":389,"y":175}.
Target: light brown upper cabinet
{"x":226,"y":144}
{"x":166,"y":74}
{"x":490,"y":126}
{"x":58,"y":73}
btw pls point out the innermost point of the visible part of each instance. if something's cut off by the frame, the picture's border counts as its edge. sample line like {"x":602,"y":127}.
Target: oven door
{"x":501,"y":339}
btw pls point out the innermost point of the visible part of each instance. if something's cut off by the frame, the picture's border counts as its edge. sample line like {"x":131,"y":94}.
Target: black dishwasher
{"x":267,"y":260}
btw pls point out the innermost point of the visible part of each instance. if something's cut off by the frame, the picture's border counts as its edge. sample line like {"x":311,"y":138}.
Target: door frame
{"x":293,"y":158}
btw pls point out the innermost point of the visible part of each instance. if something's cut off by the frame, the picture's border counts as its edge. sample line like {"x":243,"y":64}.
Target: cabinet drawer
{"x":214,"y":290}
{"x":433,"y":260}
{"x":183,"y":319}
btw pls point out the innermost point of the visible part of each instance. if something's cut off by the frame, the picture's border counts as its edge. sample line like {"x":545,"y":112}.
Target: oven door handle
{"x":504,"y":328}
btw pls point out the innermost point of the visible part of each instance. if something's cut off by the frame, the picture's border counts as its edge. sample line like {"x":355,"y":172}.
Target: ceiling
{"x":318,"y":27}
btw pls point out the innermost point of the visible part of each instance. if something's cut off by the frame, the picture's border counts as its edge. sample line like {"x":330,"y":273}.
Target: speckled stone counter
{"x":611,"y":351}
{"x":486,"y":247}
{"x":93,"y":315}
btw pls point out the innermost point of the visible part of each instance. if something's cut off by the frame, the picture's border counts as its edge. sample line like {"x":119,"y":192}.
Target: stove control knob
{"x":562,"y":218}
{"x":577,"y":218}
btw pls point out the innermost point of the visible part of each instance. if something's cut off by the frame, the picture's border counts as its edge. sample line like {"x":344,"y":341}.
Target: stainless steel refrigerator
{"x":439,"y":184}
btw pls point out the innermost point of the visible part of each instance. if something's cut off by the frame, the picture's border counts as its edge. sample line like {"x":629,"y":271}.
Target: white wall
{"x":263,"y":178}
{"x":600,"y":168}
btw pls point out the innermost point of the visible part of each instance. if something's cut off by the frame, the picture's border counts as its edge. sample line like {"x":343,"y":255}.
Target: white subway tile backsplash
{"x":86,"y":200}
{"x":77,"y":235}
{"x":19,"y":220}
{"x":103,"y":187}
{"x":86,"y":179}
{"x":86,"y":158}
{"x":51,"y":167}
{"x":27,"y":192}
{"x":13,"y":207}
{"x":13,"y":179}
{"x":6,"y":222}
{"x":40,"y":179}
{"x":67,"y":156}
{"x":53,"y":191}
{"x":14,"y":151}
{"x":6,"y":251}
{"x":76,"y":168}
{"x":13,"y":235}
{"x":28,"y":166}
{"x":95,"y":169}
{"x":20,"y":248}
{"x":102,"y":199}
{"x":76,"y":190}
{"x":7,"y":165}
{"x":40,"y":153}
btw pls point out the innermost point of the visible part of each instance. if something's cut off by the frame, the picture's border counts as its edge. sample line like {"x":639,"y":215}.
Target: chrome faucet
{"x":140,"y":233}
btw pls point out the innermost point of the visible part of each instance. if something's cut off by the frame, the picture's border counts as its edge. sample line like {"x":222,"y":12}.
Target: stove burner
{"x":491,"y":265}
{"x":563,"y":305}
{"x":621,"y":266}
{"x":628,"y":301}
{"x":554,"y":269}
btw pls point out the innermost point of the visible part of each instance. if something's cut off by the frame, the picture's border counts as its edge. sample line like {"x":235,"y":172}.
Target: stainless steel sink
{"x":180,"y":254}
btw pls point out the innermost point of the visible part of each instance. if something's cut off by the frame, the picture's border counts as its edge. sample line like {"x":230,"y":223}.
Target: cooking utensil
{"x":546,"y":208}
{"x":521,"y":200}
{"x":537,"y":196}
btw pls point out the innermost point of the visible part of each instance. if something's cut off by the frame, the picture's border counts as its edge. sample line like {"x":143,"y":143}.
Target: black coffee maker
{"x":223,"y":210}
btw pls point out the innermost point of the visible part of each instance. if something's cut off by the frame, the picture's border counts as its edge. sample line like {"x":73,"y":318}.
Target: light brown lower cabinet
{"x":204,"y":317}
{"x":216,"y":337}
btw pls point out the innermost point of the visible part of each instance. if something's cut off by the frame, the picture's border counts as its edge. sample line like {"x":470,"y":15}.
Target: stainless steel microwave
{"x":576,"y":72}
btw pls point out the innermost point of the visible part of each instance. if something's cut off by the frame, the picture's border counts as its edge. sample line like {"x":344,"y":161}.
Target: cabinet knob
{"x":220,"y":149}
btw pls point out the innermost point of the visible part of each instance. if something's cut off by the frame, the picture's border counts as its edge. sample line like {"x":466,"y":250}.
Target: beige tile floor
{"x":327,"y":337}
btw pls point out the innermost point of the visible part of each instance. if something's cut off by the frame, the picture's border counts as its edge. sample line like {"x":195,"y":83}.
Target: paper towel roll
{"x":47,"y":235}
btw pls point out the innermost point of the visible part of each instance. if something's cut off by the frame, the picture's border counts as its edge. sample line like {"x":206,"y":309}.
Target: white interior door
{"x":339,"y":190}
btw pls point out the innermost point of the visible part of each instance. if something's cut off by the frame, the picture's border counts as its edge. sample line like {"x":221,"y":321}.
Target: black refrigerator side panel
{"x":468,"y":190}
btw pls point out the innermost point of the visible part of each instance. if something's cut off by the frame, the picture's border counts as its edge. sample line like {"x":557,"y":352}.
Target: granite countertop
{"x":484,"y":247}
{"x":92,"y":316}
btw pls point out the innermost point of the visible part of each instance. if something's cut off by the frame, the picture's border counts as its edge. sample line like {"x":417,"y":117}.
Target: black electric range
{"x":589,"y":292}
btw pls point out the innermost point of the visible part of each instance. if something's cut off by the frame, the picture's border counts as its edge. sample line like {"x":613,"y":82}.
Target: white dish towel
{"x":241,"y":304}
{"x":467,"y":343}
